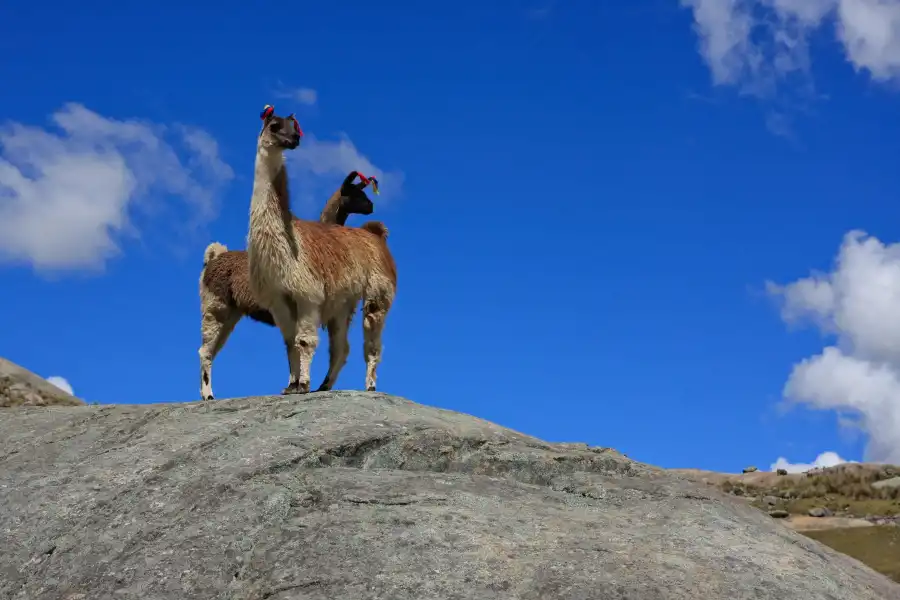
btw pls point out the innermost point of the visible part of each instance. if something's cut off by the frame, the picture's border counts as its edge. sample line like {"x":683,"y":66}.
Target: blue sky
{"x":586,"y":202}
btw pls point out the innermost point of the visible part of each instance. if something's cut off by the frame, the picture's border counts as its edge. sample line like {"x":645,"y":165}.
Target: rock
{"x":355,"y":495}
{"x":21,"y":387}
{"x":893,"y":482}
{"x":779,"y":514}
{"x":750,"y":469}
{"x":781,"y":472}
{"x":819,"y":512}
{"x":770,"y":500}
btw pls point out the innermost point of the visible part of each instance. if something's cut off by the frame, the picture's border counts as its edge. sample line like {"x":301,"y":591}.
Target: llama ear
{"x":293,"y":119}
{"x":267,"y":112}
{"x":348,"y":181}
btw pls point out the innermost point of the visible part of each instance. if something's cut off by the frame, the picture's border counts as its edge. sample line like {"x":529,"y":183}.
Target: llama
{"x":307,"y":273}
{"x":225,"y":295}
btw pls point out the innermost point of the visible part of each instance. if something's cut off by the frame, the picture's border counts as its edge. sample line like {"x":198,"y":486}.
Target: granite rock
{"x":358,"y":495}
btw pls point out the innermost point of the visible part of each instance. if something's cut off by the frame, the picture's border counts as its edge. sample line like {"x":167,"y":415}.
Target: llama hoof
{"x":205,"y":398}
{"x":326,"y":385}
{"x":371,"y":388}
{"x":296,"y":388}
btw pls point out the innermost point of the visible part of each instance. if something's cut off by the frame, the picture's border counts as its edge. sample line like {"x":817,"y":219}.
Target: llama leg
{"x":338,"y":350}
{"x":216,"y":325}
{"x":305,"y":341}
{"x":373,"y":325}
{"x":284,"y":313}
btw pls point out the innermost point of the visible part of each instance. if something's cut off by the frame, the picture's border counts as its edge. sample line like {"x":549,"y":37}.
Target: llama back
{"x":227,"y":276}
{"x":346,"y":259}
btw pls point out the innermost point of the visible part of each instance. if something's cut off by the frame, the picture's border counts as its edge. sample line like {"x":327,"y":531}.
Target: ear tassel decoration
{"x":297,"y":126}
{"x":369,"y":181}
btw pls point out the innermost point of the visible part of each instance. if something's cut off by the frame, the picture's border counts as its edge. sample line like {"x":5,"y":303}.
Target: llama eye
{"x":275,"y":126}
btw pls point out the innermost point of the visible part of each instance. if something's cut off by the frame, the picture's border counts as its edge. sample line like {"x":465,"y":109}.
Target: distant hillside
{"x":854,"y":507}
{"x":856,"y":490}
{"x":21,"y":387}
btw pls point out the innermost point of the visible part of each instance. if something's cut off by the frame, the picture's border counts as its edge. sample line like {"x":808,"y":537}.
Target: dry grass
{"x":845,"y":489}
{"x":878,"y":547}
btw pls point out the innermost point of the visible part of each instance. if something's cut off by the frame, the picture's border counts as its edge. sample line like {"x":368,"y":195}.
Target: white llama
{"x":307,"y":273}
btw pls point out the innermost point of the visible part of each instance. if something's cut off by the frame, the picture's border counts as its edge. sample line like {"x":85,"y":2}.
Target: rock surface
{"x":362,"y":495}
{"x":21,"y":387}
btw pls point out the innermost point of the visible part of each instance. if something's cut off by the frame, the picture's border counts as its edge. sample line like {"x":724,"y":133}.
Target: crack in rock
{"x":399,"y":501}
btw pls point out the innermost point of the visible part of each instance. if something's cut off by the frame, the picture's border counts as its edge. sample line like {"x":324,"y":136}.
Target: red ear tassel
{"x":297,"y":126}
{"x":369,"y":181}
{"x":267,"y":111}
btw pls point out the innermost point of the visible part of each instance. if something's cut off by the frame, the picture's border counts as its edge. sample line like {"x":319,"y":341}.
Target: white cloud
{"x":303,"y":95}
{"x":68,"y":196}
{"x":858,"y":305}
{"x":756,"y":43}
{"x":61,"y":383}
{"x":824,"y":460}
{"x":306,"y":96}
{"x":870,"y":32}
{"x":322,"y":164}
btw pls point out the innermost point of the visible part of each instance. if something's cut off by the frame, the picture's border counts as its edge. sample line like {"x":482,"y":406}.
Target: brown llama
{"x":225,"y":296}
{"x":307,"y":273}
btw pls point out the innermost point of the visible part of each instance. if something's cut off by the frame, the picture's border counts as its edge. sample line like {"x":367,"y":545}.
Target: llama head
{"x":353,"y":199}
{"x":283,"y":133}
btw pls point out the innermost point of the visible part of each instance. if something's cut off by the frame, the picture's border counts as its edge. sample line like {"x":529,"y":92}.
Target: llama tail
{"x":212,"y":251}
{"x":376,"y":227}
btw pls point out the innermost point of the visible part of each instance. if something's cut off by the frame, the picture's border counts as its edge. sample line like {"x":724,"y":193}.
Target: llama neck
{"x":334,"y":211}
{"x":270,"y":202}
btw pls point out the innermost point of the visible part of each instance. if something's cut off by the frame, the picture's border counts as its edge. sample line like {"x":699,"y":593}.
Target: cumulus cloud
{"x":824,"y":460}
{"x":303,"y":95}
{"x":756,"y":43}
{"x":61,"y":383}
{"x":857,"y":307}
{"x":322,"y":164}
{"x":307,"y":96}
{"x":69,"y":194}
